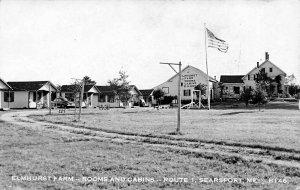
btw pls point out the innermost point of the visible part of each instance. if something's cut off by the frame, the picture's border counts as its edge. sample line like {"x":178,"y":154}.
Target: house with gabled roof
{"x":147,"y":95}
{"x":274,"y":72}
{"x":5,"y":95}
{"x":190,"y":77}
{"x":90,"y":94}
{"x":108,"y":97}
{"x":31,"y":94}
{"x":231,"y":86}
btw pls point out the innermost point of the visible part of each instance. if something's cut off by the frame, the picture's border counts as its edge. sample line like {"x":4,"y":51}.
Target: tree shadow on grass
{"x":235,"y":113}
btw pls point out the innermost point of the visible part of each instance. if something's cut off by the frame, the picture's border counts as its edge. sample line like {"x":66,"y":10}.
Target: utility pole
{"x":50,"y":106}
{"x":82,"y":81}
{"x":178,"y":93}
{"x":81,"y":98}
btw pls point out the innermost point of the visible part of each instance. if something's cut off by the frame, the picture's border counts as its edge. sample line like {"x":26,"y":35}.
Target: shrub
{"x":167,"y":99}
{"x":246,"y":96}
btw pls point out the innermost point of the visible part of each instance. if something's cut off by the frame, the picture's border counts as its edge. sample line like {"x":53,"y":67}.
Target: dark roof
{"x":27,"y":85}
{"x":231,"y":78}
{"x":105,"y":88}
{"x":88,"y":87}
{"x":71,"y":88}
{"x":146,"y":92}
{"x":68,"y":88}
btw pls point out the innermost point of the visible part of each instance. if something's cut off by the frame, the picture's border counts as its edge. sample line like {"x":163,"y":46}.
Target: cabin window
{"x":111,"y":99}
{"x":248,"y":77}
{"x":9,"y":96}
{"x":101,"y":98}
{"x":34,"y":96}
{"x":270,"y":69}
{"x":186,"y":92}
{"x":165,"y":90}
{"x":236,"y":89}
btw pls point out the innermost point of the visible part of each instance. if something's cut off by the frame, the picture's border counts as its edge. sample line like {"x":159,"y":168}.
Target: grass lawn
{"x":81,"y":158}
{"x":27,"y":152}
{"x":276,"y":126}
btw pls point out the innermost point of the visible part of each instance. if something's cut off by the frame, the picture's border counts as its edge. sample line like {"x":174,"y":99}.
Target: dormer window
{"x":270,"y":69}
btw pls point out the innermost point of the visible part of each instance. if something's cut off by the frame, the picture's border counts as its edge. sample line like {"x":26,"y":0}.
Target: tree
{"x":262,"y":80}
{"x":294,"y":89}
{"x":121,"y":86}
{"x":76,"y":94}
{"x":246,"y":96}
{"x":221,"y":86}
{"x":88,"y":81}
{"x":158,"y":94}
{"x":262,"y":84}
{"x":259,"y":97}
{"x":278,"y":81}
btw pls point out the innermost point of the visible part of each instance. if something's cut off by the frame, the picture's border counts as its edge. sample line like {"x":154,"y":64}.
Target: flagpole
{"x":207,"y":90}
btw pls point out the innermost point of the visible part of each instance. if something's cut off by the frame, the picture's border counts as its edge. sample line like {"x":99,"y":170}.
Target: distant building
{"x":272,"y":71}
{"x":190,"y":77}
{"x":147,"y":96}
{"x":109,"y":97}
{"x":90,"y":94}
{"x":31,"y":94}
{"x":231,"y":86}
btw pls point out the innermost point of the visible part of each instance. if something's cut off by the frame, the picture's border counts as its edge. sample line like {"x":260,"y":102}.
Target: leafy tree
{"x":259,"y":97}
{"x":278,"y":81}
{"x":221,"y":86}
{"x":88,"y":81}
{"x":262,"y":84}
{"x":294,"y":89}
{"x":246,"y":96}
{"x":158,"y":94}
{"x":262,"y":80}
{"x":201,"y":87}
{"x":121,"y":86}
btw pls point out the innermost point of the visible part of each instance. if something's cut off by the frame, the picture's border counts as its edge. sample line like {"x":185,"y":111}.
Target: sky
{"x":58,"y":40}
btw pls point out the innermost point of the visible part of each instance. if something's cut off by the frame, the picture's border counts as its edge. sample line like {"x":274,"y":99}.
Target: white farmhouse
{"x":275,"y":73}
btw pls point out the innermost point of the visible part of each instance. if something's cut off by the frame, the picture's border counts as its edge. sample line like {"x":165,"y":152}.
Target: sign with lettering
{"x":188,"y":80}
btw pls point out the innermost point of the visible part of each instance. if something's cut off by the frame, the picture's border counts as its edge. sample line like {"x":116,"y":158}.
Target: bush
{"x":259,"y":97}
{"x":167,"y":99}
{"x":246,"y":95}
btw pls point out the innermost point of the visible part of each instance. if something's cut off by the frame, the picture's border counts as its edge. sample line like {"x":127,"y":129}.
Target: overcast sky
{"x":59,"y":40}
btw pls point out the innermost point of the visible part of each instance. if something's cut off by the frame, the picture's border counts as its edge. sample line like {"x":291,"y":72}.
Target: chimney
{"x":257,"y":64}
{"x":215,"y":77}
{"x":267,"y":56}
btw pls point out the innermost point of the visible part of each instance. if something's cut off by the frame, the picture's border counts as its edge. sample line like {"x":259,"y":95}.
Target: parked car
{"x":62,"y":102}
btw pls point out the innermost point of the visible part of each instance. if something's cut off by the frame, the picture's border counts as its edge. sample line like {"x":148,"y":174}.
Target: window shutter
{"x":5,"y":96}
{"x":12,"y":96}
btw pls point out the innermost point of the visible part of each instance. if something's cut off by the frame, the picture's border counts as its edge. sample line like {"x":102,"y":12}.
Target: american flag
{"x":215,"y":42}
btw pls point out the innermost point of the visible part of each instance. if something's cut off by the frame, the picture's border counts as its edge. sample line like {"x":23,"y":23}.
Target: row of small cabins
{"x":36,"y":94}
